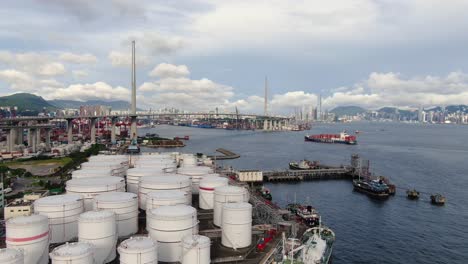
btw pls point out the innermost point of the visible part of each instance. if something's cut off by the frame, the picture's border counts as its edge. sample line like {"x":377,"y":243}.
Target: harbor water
{"x":430,"y":158}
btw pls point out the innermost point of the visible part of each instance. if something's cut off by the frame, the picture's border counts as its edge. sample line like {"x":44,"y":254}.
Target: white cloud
{"x":50,"y":83}
{"x":52,"y":69}
{"x":392,"y":89}
{"x":18,"y":80}
{"x":292,"y":100}
{"x":157,"y":44}
{"x":176,"y":89}
{"x":82,"y":92}
{"x":186,"y":93}
{"x":119,"y":59}
{"x":165,"y":70}
{"x":79,"y":74}
{"x":86,"y":58}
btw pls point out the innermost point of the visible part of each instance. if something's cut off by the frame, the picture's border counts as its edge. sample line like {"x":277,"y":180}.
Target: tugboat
{"x":305,"y":213}
{"x":303,"y":165}
{"x":412,"y":194}
{"x":342,"y":138}
{"x":438,"y":199}
{"x":375,"y":188}
{"x":309,"y":216}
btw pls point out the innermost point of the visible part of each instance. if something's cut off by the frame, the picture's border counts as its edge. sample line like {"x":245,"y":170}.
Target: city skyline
{"x":206,"y":54}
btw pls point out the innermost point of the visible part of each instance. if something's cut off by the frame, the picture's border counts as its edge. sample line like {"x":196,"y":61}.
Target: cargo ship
{"x":342,"y":138}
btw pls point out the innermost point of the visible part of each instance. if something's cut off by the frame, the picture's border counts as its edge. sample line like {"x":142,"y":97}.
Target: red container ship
{"x":342,"y":138}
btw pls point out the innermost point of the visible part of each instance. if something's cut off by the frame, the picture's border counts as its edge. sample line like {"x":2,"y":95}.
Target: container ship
{"x":342,"y":138}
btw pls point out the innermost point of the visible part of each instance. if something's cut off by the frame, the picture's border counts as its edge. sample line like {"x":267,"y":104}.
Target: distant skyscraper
{"x":420,"y":114}
{"x":319,"y":108}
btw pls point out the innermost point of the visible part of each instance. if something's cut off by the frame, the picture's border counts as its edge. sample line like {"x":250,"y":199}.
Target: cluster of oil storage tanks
{"x":102,"y":203}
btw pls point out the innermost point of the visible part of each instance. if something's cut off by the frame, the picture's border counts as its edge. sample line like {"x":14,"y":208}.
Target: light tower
{"x":265,"y":107}
{"x":133,"y":128}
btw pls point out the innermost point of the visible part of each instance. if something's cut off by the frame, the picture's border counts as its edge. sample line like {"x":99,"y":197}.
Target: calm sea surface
{"x":430,"y":158}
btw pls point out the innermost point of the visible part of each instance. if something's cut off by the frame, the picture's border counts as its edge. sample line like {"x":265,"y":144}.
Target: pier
{"x":309,"y":175}
{"x":226,"y":155}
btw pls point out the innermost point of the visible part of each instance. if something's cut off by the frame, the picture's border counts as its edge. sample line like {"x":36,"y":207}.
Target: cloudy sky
{"x":199,"y":55}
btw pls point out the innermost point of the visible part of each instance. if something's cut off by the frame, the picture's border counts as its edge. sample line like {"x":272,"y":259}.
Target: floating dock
{"x":226,"y":155}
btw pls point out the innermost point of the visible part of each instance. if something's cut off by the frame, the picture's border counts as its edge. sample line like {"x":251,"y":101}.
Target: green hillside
{"x":348,"y":110}
{"x":28,"y":104}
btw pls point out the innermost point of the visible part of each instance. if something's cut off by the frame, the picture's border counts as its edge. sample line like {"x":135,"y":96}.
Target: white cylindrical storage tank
{"x":73,"y":253}
{"x":92,"y":173}
{"x":138,"y":250}
{"x":99,"y":228}
{"x":63,"y":212}
{"x":167,"y":182}
{"x":125,"y":207}
{"x":196,"y":250}
{"x":134,"y":175}
{"x":237,"y":225}
{"x":104,"y":164}
{"x":31,"y":234}
{"x":168,"y":225}
{"x":116,"y":169}
{"x":156,"y":199}
{"x":197,"y":173}
{"x":227,"y":194}
{"x":11,"y":256}
{"x":188,"y":160}
{"x":90,"y":187}
{"x":207,"y":187}
{"x":167,"y":166}
{"x":119,"y":158}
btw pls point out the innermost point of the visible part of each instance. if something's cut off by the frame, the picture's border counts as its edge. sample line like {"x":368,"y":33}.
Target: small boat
{"x":303,"y":165}
{"x":438,"y":199}
{"x":266,"y":193}
{"x":412,"y":194}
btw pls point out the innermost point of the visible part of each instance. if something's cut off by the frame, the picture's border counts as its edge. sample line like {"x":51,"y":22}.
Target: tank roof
{"x":138,"y":243}
{"x":192,"y":240}
{"x":96,"y":215}
{"x":95,"y":181}
{"x":166,"y":195}
{"x":167,"y":178}
{"x":174,"y":210}
{"x":29,"y":219}
{"x":230,"y":189}
{"x":58,"y":199}
{"x":115,"y":197}
{"x":72,"y":249}
{"x":212,"y":181}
